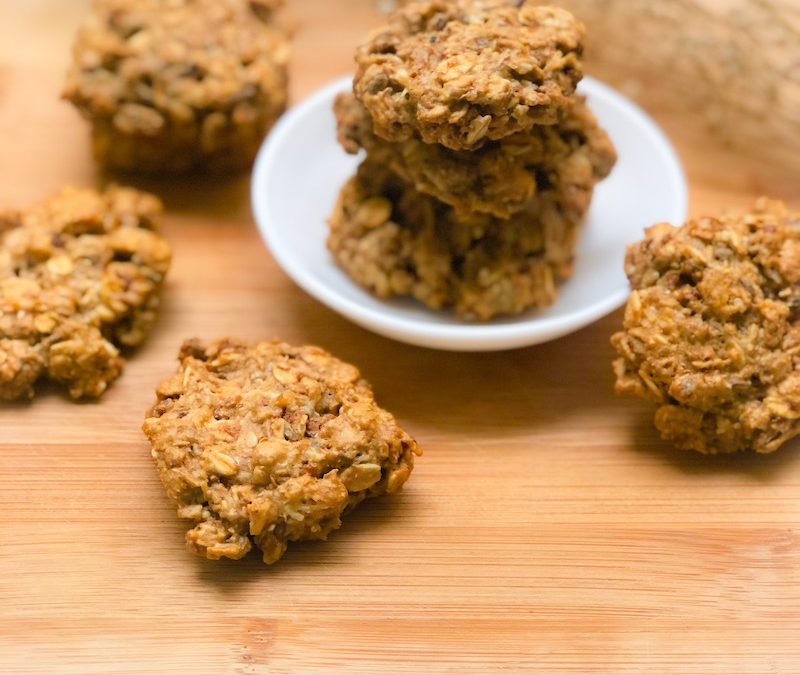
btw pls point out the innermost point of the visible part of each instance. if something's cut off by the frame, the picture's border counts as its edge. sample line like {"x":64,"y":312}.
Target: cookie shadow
{"x":213,"y":197}
{"x":762,"y":467}
{"x":306,"y":558}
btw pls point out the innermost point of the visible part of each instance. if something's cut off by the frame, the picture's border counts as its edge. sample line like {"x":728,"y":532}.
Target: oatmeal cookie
{"x":80,"y":276}
{"x":500,"y":177}
{"x":181,"y":85}
{"x":268,"y":443}
{"x":459,"y":72}
{"x":395,"y":241}
{"x":712,"y":330}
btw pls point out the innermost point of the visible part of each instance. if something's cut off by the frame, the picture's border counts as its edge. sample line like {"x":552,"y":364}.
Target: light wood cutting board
{"x":546,"y":527}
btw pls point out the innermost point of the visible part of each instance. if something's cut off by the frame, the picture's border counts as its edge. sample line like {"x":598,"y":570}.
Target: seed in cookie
{"x":395,"y":241}
{"x":80,"y":276}
{"x":501,"y":177}
{"x":267,"y":444}
{"x":178,"y":86}
{"x":711,"y":333}
{"x":461,"y":72}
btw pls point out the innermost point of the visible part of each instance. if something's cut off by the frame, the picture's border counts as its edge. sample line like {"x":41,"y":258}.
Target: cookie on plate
{"x":395,"y":241}
{"x":712,"y":330}
{"x":461,"y":72}
{"x":500,"y":177}
{"x":267,"y":444}
{"x":80,"y":276}
{"x":179,"y":86}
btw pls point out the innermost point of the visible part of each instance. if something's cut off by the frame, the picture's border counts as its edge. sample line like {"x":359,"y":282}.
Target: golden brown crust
{"x":178,"y":86}
{"x":463,"y":71}
{"x":394,"y":241}
{"x":268,"y":443}
{"x":80,"y":276}
{"x":712,"y":330}
{"x":500,"y":177}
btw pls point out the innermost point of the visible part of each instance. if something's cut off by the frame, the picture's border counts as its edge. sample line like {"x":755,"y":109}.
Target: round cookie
{"x":463,"y":71}
{"x":395,"y":241}
{"x":179,"y":86}
{"x":267,"y":443}
{"x":712,"y":330}
{"x":500,"y":177}
{"x":80,"y":277}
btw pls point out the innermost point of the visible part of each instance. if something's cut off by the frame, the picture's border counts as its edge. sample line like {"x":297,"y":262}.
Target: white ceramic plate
{"x":301,"y":168}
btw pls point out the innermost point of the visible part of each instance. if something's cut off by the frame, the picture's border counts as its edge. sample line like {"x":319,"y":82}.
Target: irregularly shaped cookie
{"x":80,"y":276}
{"x":180,"y":85}
{"x":460,"y":72}
{"x":712,"y":330}
{"x":395,"y":241}
{"x":501,"y":177}
{"x":268,"y":443}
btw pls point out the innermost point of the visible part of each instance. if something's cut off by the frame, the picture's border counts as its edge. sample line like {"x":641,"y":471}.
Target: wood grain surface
{"x":546,"y":528}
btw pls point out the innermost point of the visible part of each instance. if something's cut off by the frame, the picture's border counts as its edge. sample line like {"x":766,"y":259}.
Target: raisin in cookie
{"x":501,"y":177}
{"x":461,"y":72}
{"x":80,"y":276}
{"x":712,"y":330}
{"x":181,"y":85}
{"x":395,"y":241}
{"x":267,"y":443}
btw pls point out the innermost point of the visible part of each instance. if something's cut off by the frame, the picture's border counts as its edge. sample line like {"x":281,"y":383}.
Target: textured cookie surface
{"x":712,"y":330}
{"x":267,"y":443}
{"x":395,"y":241}
{"x":463,"y":71}
{"x":80,"y":276}
{"x":180,"y":85}
{"x":501,"y":177}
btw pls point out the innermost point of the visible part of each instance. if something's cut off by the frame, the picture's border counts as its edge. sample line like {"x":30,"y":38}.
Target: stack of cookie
{"x":480,"y":159}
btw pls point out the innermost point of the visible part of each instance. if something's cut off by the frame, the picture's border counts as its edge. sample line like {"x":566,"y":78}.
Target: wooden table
{"x":545,"y":527}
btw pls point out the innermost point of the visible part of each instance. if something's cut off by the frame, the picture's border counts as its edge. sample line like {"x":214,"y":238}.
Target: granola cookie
{"x":712,"y":330}
{"x":178,"y":86}
{"x":501,"y":177}
{"x":80,"y":276}
{"x":459,"y":72}
{"x":395,"y":241}
{"x":268,"y":443}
